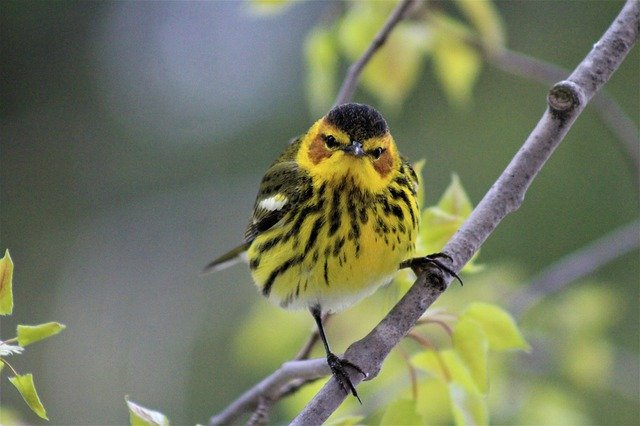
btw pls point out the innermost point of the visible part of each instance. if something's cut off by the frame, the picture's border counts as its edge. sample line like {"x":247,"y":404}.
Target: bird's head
{"x":352,"y":140}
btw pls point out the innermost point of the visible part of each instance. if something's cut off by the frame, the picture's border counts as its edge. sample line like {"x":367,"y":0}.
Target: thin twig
{"x":567,"y":99}
{"x":577,"y":265}
{"x":350,"y":82}
{"x":271,"y":385}
{"x":413,"y":374}
{"x":261,"y":414}
{"x":446,"y":327}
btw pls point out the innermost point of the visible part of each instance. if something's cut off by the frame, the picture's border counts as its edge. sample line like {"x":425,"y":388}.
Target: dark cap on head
{"x":359,"y":121}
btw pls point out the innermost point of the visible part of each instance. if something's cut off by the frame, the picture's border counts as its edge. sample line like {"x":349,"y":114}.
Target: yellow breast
{"x":338,"y":247}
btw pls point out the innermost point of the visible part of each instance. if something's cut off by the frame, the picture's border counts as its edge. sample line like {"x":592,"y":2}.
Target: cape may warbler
{"x":335,"y":216}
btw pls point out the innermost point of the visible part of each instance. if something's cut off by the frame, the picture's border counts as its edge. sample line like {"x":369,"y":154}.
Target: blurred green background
{"x":134,"y":135}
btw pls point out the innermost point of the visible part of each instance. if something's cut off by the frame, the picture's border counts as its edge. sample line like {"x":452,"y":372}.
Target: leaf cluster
{"x":453,"y":41}
{"x":26,"y":335}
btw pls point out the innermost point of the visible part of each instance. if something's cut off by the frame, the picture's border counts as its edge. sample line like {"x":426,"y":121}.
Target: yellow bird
{"x":335,"y":216}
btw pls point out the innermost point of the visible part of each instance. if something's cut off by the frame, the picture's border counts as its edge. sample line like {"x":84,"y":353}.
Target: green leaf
{"x":24,"y":384}
{"x":401,"y":412}
{"x":469,"y":407}
{"x":433,"y":402}
{"x":322,"y":69}
{"x":394,"y":69}
{"x":499,"y":326}
{"x":438,"y":223}
{"x":430,"y":362}
{"x":28,"y":334}
{"x":6,"y":284}
{"x":456,"y":64}
{"x":486,"y":19}
{"x":455,"y":200}
{"x":457,"y":370}
{"x":141,"y":416}
{"x":470,"y":342}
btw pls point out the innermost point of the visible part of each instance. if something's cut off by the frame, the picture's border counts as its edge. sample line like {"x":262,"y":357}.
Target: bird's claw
{"x":337,"y":366}
{"x":419,"y":264}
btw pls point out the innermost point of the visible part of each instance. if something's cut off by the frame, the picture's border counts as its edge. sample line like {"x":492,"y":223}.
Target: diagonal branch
{"x":614,"y":117}
{"x":567,"y":99}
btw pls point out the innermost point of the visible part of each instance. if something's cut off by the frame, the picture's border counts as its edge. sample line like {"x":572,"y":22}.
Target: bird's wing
{"x":282,"y":189}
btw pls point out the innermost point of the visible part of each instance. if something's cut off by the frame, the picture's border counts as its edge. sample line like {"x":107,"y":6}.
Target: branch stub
{"x":564,"y":97}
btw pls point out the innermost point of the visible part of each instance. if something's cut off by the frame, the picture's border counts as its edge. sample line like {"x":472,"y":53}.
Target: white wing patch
{"x":273,"y":203}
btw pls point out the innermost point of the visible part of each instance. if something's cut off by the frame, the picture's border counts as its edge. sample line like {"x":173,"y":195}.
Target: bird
{"x":335,"y":216}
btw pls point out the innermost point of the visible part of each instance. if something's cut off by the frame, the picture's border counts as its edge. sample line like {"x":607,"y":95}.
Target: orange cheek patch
{"x":317,"y":151}
{"x":384,"y":164}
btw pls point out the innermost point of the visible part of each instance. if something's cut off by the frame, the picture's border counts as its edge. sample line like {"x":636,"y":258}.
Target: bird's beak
{"x":354,"y":149}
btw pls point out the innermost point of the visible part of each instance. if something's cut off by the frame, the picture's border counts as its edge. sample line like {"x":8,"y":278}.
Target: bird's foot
{"x":337,"y":366}
{"x":419,"y":264}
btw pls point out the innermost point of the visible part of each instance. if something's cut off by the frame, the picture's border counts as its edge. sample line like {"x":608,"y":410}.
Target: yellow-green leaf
{"x":141,"y":416}
{"x":436,"y":228}
{"x":457,"y":370}
{"x":24,"y":384}
{"x":457,"y":66}
{"x":438,"y":223}
{"x":455,"y":200}
{"x":485,"y":17}
{"x":393,"y":70}
{"x":28,"y":334}
{"x":499,"y":326}
{"x":322,"y":68}
{"x":470,"y":342}
{"x":433,"y":402}
{"x":430,"y":361}
{"x":401,"y":412}
{"x":6,"y":284}
{"x":469,"y":407}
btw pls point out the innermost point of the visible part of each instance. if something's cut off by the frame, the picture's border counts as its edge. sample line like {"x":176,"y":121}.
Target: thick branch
{"x":566,"y":101}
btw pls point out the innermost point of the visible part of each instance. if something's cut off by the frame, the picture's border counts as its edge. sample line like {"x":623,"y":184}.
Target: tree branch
{"x":271,"y":387}
{"x":614,"y":117}
{"x":350,"y":82}
{"x":567,"y":99}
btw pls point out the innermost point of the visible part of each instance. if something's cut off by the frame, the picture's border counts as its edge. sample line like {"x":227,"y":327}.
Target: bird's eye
{"x":331,"y":142}
{"x":376,"y":153}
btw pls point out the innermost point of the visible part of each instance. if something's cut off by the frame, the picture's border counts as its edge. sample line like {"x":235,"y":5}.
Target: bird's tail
{"x":236,"y":255}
